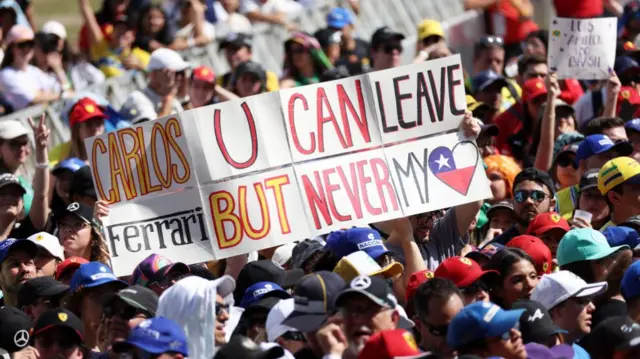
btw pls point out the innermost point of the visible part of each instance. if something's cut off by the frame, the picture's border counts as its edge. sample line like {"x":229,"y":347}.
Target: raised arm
{"x":40,"y":204}
{"x":466,"y":213}
{"x":613,"y":89}
{"x":544,"y":157}
{"x":95,"y":33}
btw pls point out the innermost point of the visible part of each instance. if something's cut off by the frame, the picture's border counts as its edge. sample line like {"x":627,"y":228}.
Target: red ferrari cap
{"x":533,"y":88}
{"x":69,"y":264}
{"x":84,"y":110}
{"x":203,"y":73}
{"x":539,"y":252}
{"x":415,"y":280}
{"x":461,"y":271}
{"x":545,"y":222}
{"x":390,"y":344}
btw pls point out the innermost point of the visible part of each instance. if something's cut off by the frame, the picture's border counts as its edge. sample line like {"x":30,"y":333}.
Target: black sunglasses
{"x":491,"y":40}
{"x":125,"y":312}
{"x":296,"y":336}
{"x":521,"y":196}
{"x":221,"y":307}
{"x":388,"y":48}
{"x":26,"y":45}
{"x":437,"y":330}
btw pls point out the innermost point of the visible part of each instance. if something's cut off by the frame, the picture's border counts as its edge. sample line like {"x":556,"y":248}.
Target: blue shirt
{"x":579,"y":352}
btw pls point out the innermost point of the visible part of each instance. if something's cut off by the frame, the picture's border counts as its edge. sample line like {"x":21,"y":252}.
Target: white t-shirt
{"x":187,"y":32}
{"x":20,"y":87}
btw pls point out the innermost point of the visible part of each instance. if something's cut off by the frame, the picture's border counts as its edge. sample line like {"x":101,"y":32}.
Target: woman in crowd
{"x":304,"y":61}
{"x":501,"y":171}
{"x":15,"y":150}
{"x":518,"y":276}
{"x":193,"y":28}
{"x":62,"y":176}
{"x":80,"y":234}
{"x":153,"y":31}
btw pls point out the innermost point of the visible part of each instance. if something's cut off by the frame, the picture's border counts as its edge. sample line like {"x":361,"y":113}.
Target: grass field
{"x":65,"y":11}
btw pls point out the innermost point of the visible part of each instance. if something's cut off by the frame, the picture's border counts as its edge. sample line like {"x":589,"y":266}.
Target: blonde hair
{"x":99,"y":250}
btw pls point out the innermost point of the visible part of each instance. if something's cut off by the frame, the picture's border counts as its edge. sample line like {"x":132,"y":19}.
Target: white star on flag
{"x":442,"y":161}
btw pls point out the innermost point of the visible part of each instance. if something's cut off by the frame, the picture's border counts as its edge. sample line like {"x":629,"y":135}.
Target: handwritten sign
{"x":266,"y":170}
{"x":584,"y":49}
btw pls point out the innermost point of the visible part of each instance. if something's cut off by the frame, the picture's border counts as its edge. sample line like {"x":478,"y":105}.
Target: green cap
{"x":584,"y":244}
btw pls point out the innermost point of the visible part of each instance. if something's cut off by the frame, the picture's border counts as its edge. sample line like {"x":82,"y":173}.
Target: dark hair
{"x":105,"y":15}
{"x":502,"y":262}
{"x":327,"y":261}
{"x":598,"y":125}
{"x":201,"y":270}
{"x":436,"y":288}
{"x":484,"y":45}
{"x":542,"y":35}
{"x":534,"y":175}
{"x":7,"y":60}
{"x":582,"y":269}
{"x":529,"y":60}
{"x":619,"y":189}
{"x":165,"y":36}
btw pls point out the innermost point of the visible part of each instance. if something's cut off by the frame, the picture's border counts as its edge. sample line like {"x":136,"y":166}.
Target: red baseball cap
{"x":84,"y":110}
{"x":545,"y":222}
{"x":205,"y":74}
{"x":533,"y":88}
{"x":415,"y":280}
{"x":462,"y":271}
{"x":389,"y":344}
{"x":539,"y":252}
{"x":69,"y":264}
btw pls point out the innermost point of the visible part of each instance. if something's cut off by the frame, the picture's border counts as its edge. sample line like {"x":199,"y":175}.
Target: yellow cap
{"x":429,"y":28}
{"x":359,"y":263}
{"x":617,"y":171}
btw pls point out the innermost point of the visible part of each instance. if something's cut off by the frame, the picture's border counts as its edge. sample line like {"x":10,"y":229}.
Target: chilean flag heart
{"x":444,"y":162}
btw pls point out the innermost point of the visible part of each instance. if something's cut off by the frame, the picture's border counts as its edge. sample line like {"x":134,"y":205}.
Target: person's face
{"x":123,"y":36}
{"x":91,"y":309}
{"x":597,"y":161}
{"x":119,"y":319}
{"x":119,"y":6}
{"x":74,"y":234}
{"x":423,"y":223}
{"x":551,"y":238}
{"x":236,"y":55}
{"x":630,"y":199}
{"x":90,"y":128}
{"x":535,"y":71}
{"x":154,"y":21}
{"x":498,"y":186}
{"x":299,"y":55}
{"x":574,"y":316}
{"x":15,"y":152}
{"x":519,"y":282}
{"x":433,"y":327}
{"x":592,"y":201}
{"x":46,"y":264}
{"x":501,"y":219}
{"x":63,"y":184}
{"x":163,"y":81}
{"x":534,"y":46}
{"x":509,"y":346}
{"x":491,"y":96}
{"x":616,"y":134}
{"x":439,"y":52}
{"x":17,"y":268}
{"x":531,"y":199}
{"x":387,"y":55}
{"x":634,"y":138}
{"x":24,"y":51}
{"x":567,"y":171}
{"x":58,"y":344}
{"x":248,"y":85}
{"x":201,"y":92}
{"x":222,"y":315}
{"x":490,"y":59}
{"x":565,"y":122}
{"x":363,"y":318}
{"x":11,"y":203}
{"x":41,"y":306}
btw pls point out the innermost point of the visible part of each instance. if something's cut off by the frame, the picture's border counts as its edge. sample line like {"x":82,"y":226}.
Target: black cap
{"x":376,"y":289}
{"x":263,"y":304}
{"x":264,"y":271}
{"x":59,"y":318}
{"x":328,"y":36}
{"x":237,"y":40}
{"x":314,"y":298}
{"x":303,"y":250}
{"x":15,"y":329}
{"x":536,"y":324}
{"x":611,"y":335}
{"x":136,"y":296}
{"x":507,"y":204}
{"x":8,"y":179}
{"x":33,"y":289}
{"x":82,"y":183}
{"x":384,"y":35}
{"x":251,"y":67}
{"x":81,"y":211}
{"x":589,"y":179}
{"x":243,"y":347}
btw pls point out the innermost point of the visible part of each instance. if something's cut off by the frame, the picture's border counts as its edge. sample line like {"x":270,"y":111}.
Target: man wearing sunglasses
{"x":40,"y":294}
{"x":59,"y":334}
{"x":469,"y":277}
{"x":436,"y":303}
{"x":386,"y":48}
{"x":158,"y":338}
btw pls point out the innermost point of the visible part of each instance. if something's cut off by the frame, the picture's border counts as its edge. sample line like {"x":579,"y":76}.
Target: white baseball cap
{"x":49,"y":242}
{"x":55,"y":28}
{"x":10,"y":129}
{"x":167,"y":59}
{"x":277,"y":315}
{"x":283,"y":253}
{"x":557,"y":287}
{"x":360,"y":263}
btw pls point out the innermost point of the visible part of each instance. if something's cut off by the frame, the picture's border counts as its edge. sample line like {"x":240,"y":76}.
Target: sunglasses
{"x":491,"y":40}
{"x":566,"y":161}
{"x":296,"y":336}
{"x":221,"y":307}
{"x":389,"y":48}
{"x":521,"y":196}
{"x":125,"y":312}
{"x":25,"y":45}
{"x":437,"y":330}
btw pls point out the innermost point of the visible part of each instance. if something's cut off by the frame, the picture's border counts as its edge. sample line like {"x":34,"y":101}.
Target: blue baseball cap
{"x":485,"y":79}
{"x":347,"y":241}
{"x":633,"y":125}
{"x":339,"y":17}
{"x":262,"y":290}
{"x":19,"y":244}
{"x":70,"y":164}
{"x":620,"y":235}
{"x":630,"y":283}
{"x":597,"y":144}
{"x":157,"y":335}
{"x":625,"y":64}
{"x":481,"y":320}
{"x":91,"y":275}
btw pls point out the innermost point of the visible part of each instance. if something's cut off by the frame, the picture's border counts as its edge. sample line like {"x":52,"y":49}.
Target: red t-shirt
{"x":509,"y":123}
{"x":507,"y":23}
{"x":84,"y":43}
{"x":578,"y":8}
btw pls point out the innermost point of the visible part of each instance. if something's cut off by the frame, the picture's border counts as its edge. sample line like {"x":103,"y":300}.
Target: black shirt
{"x":607,"y":309}
{"x":357,"y":60}
{"x":506,"y":236}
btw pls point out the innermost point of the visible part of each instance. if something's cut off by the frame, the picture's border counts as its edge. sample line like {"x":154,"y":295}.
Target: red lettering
{"x":352,"y":191}
{"x":364,"y":179}
{"x":382,"y":180}
{"x":329,"y":188}
{"x":292,"y":125}
{"x":316,"y":199}
{"x":323,"y":102}
{"x":361,"y":118}
{"x":252,"y":132}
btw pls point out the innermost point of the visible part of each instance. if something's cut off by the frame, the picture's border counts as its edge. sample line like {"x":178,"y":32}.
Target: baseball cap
{"x":15,"y":329}
{"x":17,"y":34}
{"x":236,"y":39}
{"x":360,"y":263}
{"x":534,"y":247}
{"x":375,"y":289}
{"x":282,"y":254}
{"x":260,"y":290}
{"x":617,"y":171}
{"x":583,"y":244}
{"x":485,"y":79}
{"x":136,"y":296}
{"x":555,"y":288}
{"x":55,"y":28}
{"x":485,"y":252}
{"x":69,"y":264}
{"x":155,"y":266}
{"x":264,"y":271}
{"x":631,"y":281}
{"x":82,"y":183}
{"x":564,"y":140}
{"x":533,"y":88}
{"x":35,"y":288}
{"x":596,"y":144}
{"x":389,"y":344}
{"x":156,"y":336}
{"x":633,"y":125}
{"x":347,"y":241}
{"x":76,"y":209}
{"x":620,"y":235}
{"x":84,"y":110}
{"x":303,"y":251}
{"x":93,"y":274}
{"x":137,"y":109}
{"x":589,"y":179}
{"x":204,"y":74}
{"x":536,"y":324}
{"x":242,"y":347}
{"x":167,"y":59}
{"x":500,"y":205}
{"x":625,"y":65}
{"x":383,"y":35}
{"x":70,"y":164}
{"x":49,"y":243}
{"x":544,"y":222}
{"x":539,"y":351}
{"x":463,"y":271}
{"x":429,"y":27}
{"x":59,"y":318}
{"x":611,"y":335}
{"x":17,"y":244}
{"x":415,"y":280}
{"x":314,"y":297}
{"x":565,"y":152}
{"x":481,"y":320}
{"x":250,"y":67}
{"x":339,"y":17}
{"x":8,"y":179}
{"x":274,"y":324}
{"x":10,"y":129}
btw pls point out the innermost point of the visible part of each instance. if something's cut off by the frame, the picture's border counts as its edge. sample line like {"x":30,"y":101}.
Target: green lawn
{"x":65,"y":11}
